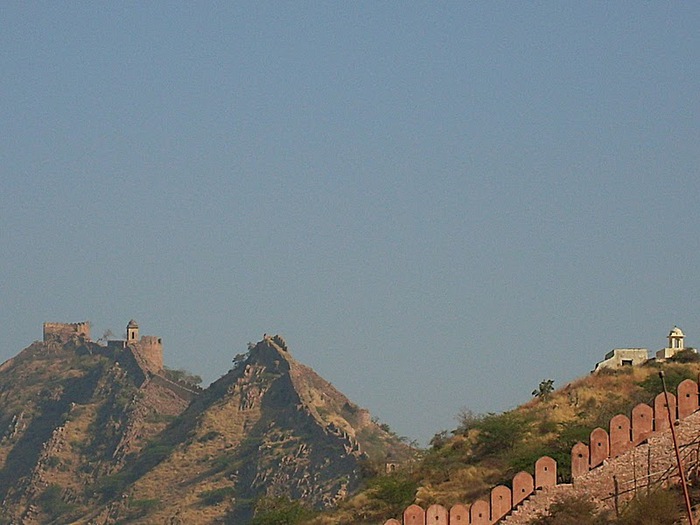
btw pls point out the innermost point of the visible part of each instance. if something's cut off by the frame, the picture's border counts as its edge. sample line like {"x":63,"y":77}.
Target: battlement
{"x":151,"y":349}
{"x":66,"y":331}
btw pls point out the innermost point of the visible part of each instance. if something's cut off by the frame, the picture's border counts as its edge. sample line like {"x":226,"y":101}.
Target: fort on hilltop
{"x":622,"y":357}
{"x":146,"y":350}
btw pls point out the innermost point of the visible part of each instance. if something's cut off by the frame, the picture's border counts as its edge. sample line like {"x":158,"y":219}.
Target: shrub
{"x":573,"y":510}
{"x":664,"y":507}
{"x":673,"y":375}
{"x":500,"y":433}
{"x":212,"y":434}
{"x":215,"y":496}
{"x":687,"y":355}
{"x":52,"y":503}
{"x":396,"y":490}
{"x":280,"y":511}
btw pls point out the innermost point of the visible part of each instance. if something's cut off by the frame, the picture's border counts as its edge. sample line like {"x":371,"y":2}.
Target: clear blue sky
{"x":438,"y":205}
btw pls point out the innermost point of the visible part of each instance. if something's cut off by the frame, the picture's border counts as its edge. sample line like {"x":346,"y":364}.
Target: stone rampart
{"x":151,"y":350}
{"x":187,"y":392}
{"x":633,"y":453}
{"x":66,"y":331}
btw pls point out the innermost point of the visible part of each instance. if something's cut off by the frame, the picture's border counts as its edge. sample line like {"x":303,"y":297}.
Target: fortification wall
{"x":634,"y":453}
{"x":187,"y":393}
{"x":66,"y":331}
{"x":150,"y":350}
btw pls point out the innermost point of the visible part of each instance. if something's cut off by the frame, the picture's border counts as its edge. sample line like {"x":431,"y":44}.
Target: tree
{"x":182,"y":375}
{"x":467,"y":420}
{"x":545,"y":389}
{"x":501,"y":432}
{"x":105,"y":336}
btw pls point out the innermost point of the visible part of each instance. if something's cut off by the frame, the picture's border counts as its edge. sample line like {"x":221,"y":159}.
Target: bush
{"x":573,"y":510}
{"x":280,"y":511}
{"x":215,"y":496}
{"x":664,"y":507}
{"x":673,"y":374}
{"x":500,"y":433}
{"x":687,"y":355}
{"x":52,"y":503}
{"x":395,"y":491}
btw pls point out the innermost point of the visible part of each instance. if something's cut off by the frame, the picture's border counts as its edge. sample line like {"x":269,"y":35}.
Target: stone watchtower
{"x":147,"y":350}
{"x":132,"y":332}
{"x":675,"y":339}
{"x":675,"y":344}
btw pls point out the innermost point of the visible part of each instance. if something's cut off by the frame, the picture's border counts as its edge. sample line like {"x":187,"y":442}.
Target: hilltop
{"x":488,"y":450}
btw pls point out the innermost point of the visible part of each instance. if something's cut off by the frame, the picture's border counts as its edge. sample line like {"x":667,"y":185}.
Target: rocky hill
{"x":488,"y":450}
{"x":88,"y":435}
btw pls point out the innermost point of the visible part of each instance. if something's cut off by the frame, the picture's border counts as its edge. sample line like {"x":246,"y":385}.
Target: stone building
{"x":621,"y":357}
{"x":675,"y":344}
{"x":148,"y":349}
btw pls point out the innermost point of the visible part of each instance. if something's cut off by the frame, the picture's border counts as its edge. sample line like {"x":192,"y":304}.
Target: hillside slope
{"x":271,"y":427}
{"x":488,"y":450}
{"x":70,"y":413}
{"x":90,"y":435}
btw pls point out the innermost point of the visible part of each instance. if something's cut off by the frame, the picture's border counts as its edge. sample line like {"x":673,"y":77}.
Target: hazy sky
{"x":438,"y":205}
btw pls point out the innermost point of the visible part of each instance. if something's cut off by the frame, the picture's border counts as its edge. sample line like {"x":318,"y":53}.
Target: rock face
{"x":98,"y":443}
{"x":71,"y":412}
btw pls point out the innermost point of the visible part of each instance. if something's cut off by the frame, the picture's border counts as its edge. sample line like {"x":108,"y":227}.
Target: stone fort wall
{"x":150,"y":349}
{"x":633,"y":454}
{"x":65,"y":331}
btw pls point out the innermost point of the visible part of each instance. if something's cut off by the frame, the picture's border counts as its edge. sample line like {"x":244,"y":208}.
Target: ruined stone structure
{"x":66,"y":331}
{"x":635,"y":454}
{"x":148,"y":350}
{"x":621,"y":357}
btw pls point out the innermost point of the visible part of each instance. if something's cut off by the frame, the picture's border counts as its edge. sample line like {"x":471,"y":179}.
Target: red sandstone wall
{"x":642,"y":437}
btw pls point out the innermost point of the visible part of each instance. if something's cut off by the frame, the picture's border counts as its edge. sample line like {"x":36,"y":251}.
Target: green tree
{"x":545,"y":389}
{"x":501,"y":432}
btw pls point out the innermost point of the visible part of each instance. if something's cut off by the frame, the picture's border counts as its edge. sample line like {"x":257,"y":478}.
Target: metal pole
{"x":671,"y":421}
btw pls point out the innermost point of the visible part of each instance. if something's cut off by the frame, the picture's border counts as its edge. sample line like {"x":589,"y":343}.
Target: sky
{"x":437,"y":204}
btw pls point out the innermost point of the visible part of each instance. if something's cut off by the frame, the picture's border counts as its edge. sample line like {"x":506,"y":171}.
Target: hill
{"x":488,"y":450}
{"x":100,"y":434}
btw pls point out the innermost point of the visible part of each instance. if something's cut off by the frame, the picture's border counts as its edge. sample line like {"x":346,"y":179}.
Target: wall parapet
{"x":624,"y":435}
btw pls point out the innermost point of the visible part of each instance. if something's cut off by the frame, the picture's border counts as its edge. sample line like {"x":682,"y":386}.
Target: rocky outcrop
{"x":111,"y":441}
{"x":71,"y":414}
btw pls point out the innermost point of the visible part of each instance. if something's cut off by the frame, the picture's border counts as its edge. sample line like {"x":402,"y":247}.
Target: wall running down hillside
{"x":643,"y":448}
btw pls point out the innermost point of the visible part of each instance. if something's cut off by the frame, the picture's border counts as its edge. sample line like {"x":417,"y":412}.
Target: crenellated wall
{"x":645,"y":429}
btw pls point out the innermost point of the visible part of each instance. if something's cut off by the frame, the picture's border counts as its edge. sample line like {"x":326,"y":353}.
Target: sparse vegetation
{"x":216,"y":496}
{"x":544,"y":390}
{"x":51,"y":501}
{"x":181,"y":375}
{"x":663,"y":507}
{"x":280,"y":511}
{"x":573,"y":510}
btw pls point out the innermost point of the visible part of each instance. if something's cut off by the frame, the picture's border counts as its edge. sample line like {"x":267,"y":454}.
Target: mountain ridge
{"x":120,"y":442}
